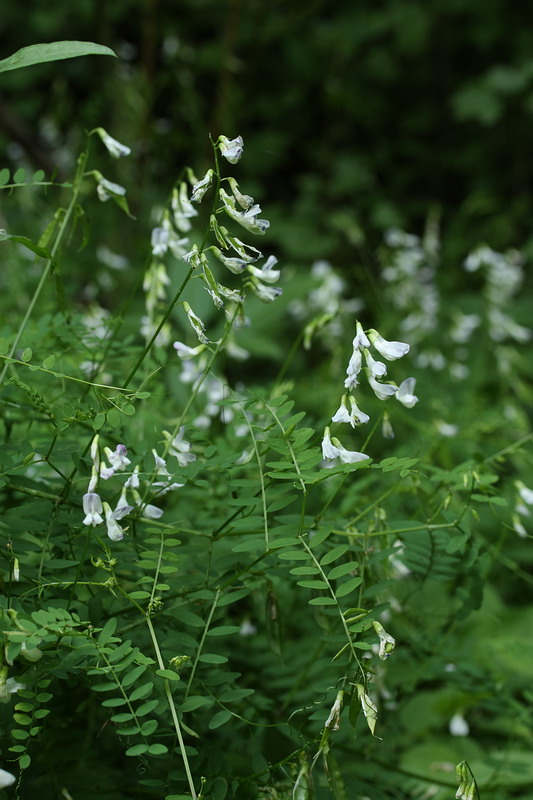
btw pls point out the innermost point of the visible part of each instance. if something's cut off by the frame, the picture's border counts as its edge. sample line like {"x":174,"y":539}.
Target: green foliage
{"x":215,"y":584}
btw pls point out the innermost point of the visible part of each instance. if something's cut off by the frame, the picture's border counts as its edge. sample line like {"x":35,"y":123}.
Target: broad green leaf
{"x":349,"y":586}
{"x":52,"y":51}
{"x":322,"y":601}
{"x":341,"y":570}
{"x":157,"y":749}
{"x":220,"y":718}
{"x":4,"y":176}
{"x":137,"y":750}
{"x":334,"y":554}
{"x":141,"y":691}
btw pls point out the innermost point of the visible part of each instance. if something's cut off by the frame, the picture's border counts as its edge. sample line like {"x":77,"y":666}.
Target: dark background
{"x":356,"y":115}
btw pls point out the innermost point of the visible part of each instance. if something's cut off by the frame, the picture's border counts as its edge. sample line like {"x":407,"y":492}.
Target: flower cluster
{"x":96,"y":510}
{"x":362,"y":361}
{"x":504,"y":275}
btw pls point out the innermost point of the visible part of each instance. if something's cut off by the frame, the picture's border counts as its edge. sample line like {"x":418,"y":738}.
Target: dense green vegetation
{"x":266,"y":472}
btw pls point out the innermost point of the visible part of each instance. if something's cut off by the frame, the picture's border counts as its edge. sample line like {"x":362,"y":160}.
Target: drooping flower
{"x":329,"y":450}
{"x":382,"y":390}
{"x":353,"y":369}
{"x":179,"y":448}
{"x":389,"y":350}
{"x":265,"y":293}
{"x":353,"y":417}
{"x":92,"y":508}
{"x":196,"y":323}
{"x":184,"y":351}
{"x":231,"y":149}
{"x":266,"y":273}
{"x":348,"y":456}
{"x":235,"y":265}
{"x":244,"y":200}
{"x":386,"y":642}
{"x":106,"y":189}
{"x":118,"y":458}
{"x":334,"y":717}
{"x":199,"y":189}
{"x":247,"y":219}
{"x":525,"y":493}
{"x":114,"y":531}
{"x":405,"y":393}
{"x":369,"y":708}
{"x":116,"y":149}
{"x":361,"y":339}
{"x":377,"y":368}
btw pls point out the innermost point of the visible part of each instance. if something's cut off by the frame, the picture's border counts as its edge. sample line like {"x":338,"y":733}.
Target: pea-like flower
{"x":92,"y":508}
{"x":114,"y":530}
{"x":116,"y":149}
{"x":382,"y":390}
{"x":118,"y":458}
{"x":332,"y":448}
{"x":405,"y":393}
{"x":231,"y":149}
{"x":389,"y":350}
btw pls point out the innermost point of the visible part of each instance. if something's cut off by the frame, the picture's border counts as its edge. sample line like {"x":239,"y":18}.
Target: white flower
{"x":117,"y":458}
{"x":353,"y":369}
{"x":329,"y":450}
{"x":446,"y":428}
{"x":458,"y":725}
{"x":159,"y":241}
{"x":196,"y":323}
{"x":179,"y":448}
{"x":377,"y":368}
{"x":386,"y":642}
{"x":342,"y":414}
{"x":133,"y":481}
{"x":161,"y":465}
{"x":245,"y":251}
{"x":114,"y":531}
{"x":199,"y":189}
{"x":92,"y":508}
{"x":357,"y":417}
{"x":265,"y":293}
{"x":369,"y":708}
{"x":244,"y":200}
{"x":151,"y":512}
{"x":405,"y":393}
{"x":116,"y":149}
{"x":107,"y":189}
{"x":353,"y":417}
{"x":519,"y":528}
{"x":6,"y":779}
{"x":184,"y":351}
{"x":389,"y":350}
{"x":9,"y":687}
{"x":247,"y":219}
{"x":349,"y":456}
{"x":361,"y":339}
{"x":333,"y":720}
{"x":525,"y":493}
{"x":105,"y":471}
{"x":382,"y":390}
{"x":235,"y":265}
{"x":266,"y":272}
{"x":231,"y":149}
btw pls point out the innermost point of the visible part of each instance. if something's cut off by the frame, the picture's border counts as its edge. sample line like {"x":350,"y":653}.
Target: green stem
{"x":173,"y":711}
{"x":82,"y":160}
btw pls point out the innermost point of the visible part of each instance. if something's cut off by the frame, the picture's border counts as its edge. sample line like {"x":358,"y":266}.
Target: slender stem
{"x":172,"y":707}
{"x":82,"y":160}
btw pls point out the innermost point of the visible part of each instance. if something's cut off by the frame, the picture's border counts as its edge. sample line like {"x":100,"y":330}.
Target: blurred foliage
{"x":358,"y":116}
